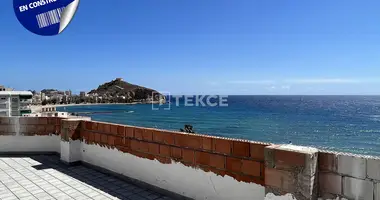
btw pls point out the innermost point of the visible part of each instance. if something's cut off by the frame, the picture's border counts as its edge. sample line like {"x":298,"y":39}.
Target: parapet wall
{"x":30,"y":126}
{"x":199,"y":166}
{"x":46,"y":133}
{"x":196,"y":166}
{"x":242,"y":160}
{"x":348,"y":175}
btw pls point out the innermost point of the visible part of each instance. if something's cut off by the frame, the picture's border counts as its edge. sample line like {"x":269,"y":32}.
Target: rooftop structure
{"x":172,"y":164}
{"x":2,"y":88}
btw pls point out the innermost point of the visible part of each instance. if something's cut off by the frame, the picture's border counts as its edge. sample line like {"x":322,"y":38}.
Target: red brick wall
{"x":29,"y":126}
{"x":242,"y":160}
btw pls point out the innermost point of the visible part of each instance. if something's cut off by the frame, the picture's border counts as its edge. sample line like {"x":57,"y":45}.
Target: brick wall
{"x":350,"y":176}
{"x":242,"y":160}
{"x":29,"y":126}
{"x":302,"y":171}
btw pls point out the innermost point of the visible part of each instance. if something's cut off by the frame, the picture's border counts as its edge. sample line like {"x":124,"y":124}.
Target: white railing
{"x":4,"y":101}
{"x":27,"y":101}
{"x":25,"y":107}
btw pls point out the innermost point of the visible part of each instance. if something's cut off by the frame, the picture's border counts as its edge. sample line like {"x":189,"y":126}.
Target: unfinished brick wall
{"x":70,"y":130}
{"x":305,"y":172}
{"x":29,"y":126}
{"x":350,"y":176}
{"x":242,"y":160}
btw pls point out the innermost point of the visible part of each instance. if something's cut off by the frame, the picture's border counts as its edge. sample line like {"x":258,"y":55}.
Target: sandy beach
{"x":91,"y":104}
{"x":38,"y":108}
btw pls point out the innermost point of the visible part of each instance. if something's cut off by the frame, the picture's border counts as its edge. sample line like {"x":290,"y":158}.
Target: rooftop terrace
{"x":127,"y":162}
{"x":46,"y":177}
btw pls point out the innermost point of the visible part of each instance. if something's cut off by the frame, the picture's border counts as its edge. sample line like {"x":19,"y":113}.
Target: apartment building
{"x":2,"y":88}
{"x":15,"y":103}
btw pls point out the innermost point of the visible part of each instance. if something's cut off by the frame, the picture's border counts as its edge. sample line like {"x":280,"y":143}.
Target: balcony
{"x":46,"y":158}
{"x":26,"y":102}
{"x":25,"y":108}
{"x":4,"y":101}
{"x":4,"y":109}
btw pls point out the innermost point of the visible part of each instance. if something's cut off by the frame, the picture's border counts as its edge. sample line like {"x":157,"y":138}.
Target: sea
{"x":337,"y":123}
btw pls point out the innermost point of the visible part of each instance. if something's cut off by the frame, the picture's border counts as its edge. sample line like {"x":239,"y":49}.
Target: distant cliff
{"x":120,"y":88}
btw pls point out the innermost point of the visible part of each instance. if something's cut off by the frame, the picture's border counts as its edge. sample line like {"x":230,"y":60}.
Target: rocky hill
{"x":120,"y":88}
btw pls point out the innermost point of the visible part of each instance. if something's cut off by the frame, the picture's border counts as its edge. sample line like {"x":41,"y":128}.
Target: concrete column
{"x":70,"y":141}
{"x":292,"y":170}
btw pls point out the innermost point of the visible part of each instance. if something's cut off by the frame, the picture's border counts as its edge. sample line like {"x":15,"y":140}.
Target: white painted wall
{"x":30,"y":143}
{"x":175,"y":177}
{"x":71,"y":151}
{"x":65,"y":151}
{"x":271,"y":196}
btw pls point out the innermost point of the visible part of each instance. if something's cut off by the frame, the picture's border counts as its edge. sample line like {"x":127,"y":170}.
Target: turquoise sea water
{"x":343,"y":123}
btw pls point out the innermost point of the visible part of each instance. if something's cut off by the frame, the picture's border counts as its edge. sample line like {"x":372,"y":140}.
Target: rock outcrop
{"x":121,"y":88}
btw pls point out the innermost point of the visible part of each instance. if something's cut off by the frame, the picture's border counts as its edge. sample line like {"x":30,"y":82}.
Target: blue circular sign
{"x":45,"y":17}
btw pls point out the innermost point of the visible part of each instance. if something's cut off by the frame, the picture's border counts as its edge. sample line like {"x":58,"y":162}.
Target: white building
{"x":48,"y":114}
{"x":37,"y":99}
{"x":57,"y":97}
{"x":43,"y":96}
{"x":2,"y":88}
{"x":15,"y":103}
{"x":50,"y":111}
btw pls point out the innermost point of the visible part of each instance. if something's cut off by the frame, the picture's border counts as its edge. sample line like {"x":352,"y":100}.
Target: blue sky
{"x":202,"y":47}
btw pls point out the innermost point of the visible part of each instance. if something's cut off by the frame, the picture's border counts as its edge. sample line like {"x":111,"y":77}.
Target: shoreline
{"x":92,"y":104}
{"x":39,"y":107}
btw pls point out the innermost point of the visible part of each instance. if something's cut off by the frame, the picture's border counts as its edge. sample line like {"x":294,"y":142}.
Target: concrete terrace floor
{"x":45,"y":177}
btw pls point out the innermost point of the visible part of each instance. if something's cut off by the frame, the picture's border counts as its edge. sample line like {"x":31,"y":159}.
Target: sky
{"x":227,"y":47}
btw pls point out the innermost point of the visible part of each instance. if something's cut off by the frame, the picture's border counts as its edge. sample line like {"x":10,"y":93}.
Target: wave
{"x":375,"y":118}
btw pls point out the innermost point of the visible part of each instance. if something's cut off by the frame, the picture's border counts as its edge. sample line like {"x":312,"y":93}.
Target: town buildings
{"x":2,"y":88}
{"x":68,"y":93}
{"x":82,"y":95}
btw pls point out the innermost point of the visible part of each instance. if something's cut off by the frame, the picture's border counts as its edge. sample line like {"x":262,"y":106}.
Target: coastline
{"x":262,"y":118}
{"x":92,"y":104}
{"x":37,"y":108}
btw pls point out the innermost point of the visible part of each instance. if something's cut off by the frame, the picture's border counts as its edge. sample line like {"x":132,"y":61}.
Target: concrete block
{"x":327,"y":161}
{"x":291,"y":169}
{"x":330,"y":183}
{"x":307,"y":186}
{"x":70,"y":129}
{"x":352,"y":166}
{"x":280,"y":179}
{"x":377,"y":191}
{"x":373,"y":169}
{"x":358,"y":189}
{"x":291,"y":157}
{"x":70,"y":151}
{"x":70,"y":144}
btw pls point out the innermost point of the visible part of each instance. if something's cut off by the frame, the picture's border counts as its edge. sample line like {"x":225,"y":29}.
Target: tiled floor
{"x":45,"y":177}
